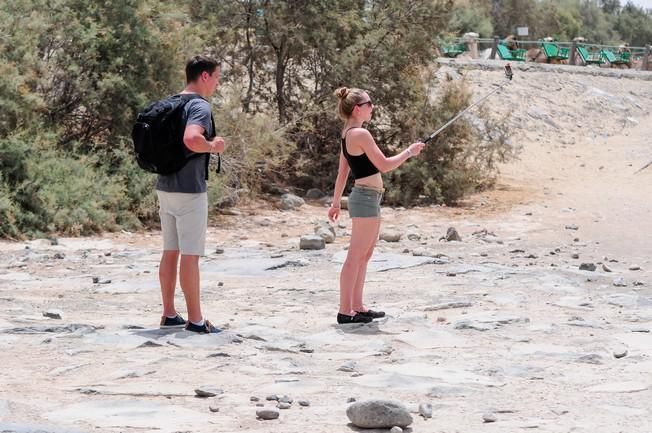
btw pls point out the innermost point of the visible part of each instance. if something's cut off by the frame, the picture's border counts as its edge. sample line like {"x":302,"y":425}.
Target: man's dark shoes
{"x":373,"y":314}
{"x":207,"y":328}
{"x":175,"y":322}
{"x":358,"y":318}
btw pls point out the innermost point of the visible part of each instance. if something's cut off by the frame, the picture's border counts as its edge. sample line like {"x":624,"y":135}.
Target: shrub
{"x":463,"y":158}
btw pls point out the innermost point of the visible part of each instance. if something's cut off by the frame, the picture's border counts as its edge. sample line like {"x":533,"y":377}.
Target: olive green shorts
{"x":364,"y":202}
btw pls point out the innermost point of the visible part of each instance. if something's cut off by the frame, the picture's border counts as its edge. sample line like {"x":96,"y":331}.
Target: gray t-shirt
{"x":192,"y":177}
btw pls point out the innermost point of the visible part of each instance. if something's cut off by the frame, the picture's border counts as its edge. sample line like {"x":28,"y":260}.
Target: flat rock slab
{"x":618,"y":387}
{"x":636,"y":340}
{"x":442,"y":374}
{"x":244,"y":267}
{"x":381,"y":262}
{"x":36,"y":428}
{"x":134,"y":413}
{"x":488,"y":321}
{"x":127,"y":287}
{"x":431,"y":339}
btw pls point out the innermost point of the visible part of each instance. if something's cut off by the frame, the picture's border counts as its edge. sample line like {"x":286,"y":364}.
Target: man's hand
{"x":217,"y":145}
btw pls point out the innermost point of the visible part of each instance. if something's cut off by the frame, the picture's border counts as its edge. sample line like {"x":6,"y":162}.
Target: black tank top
{"x":360,"y":165}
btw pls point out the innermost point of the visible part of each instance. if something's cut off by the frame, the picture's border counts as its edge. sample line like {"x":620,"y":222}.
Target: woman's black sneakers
{"x":358,"y":318}
{"x":171,"y":323}
{"x":373,"y":314}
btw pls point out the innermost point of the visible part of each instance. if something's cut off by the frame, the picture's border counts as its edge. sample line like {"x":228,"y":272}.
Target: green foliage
{"x":74,"y":73}
{"x":255,"y":146}
{"x":461,"y":159}
{"x":634,"y":25}
{"x":471,"y":17}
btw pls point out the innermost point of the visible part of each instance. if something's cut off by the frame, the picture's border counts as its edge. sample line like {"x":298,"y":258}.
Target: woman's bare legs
{"x":364,"y":234}
{"x":362,"y":272}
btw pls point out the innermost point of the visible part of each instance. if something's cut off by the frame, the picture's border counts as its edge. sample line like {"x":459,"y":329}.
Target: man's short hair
{"x":199,"y":64}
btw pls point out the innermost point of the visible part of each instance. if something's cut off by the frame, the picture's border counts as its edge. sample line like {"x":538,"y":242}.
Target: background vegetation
{"x":73,"y":74}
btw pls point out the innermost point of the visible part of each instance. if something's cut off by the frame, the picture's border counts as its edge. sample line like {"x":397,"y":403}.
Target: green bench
{"x":553,"y":52}
{"x":623,"y":58}
{"x":512,"y":55}
{"x":589,"y":58}
{"x":452,"y":50}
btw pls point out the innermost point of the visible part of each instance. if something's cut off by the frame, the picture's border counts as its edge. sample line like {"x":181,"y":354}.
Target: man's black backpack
{"x":158,"y":136}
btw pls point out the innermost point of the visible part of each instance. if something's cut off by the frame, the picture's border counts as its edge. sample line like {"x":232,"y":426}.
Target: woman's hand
{"x":333,"y":213}
{"x":415,"y":148}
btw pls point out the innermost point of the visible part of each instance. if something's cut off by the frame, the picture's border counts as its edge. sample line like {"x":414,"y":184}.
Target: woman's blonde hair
{"x":347,"y":100}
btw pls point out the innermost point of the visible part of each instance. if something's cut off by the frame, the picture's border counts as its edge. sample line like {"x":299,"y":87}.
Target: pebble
{"x":489,"y":417}
{"x":208,"y":391}
{"x":575,"y":256}
{"x":425,"y":410}
{"x":634,"y":268}
{"x":272,"y":397}
{"x":396,"y":429}
{"x":304,"y":403}
{"x":620,"y":353}
{"x":620,"y":282}
{"x":213,"y":408}
{"x":254,"y":398}
{"x":267,"y":414}
{"x":53,"y":314}
{"x":587,"y":267}
{"x":283,"y":405}
{"x":451,"y":235}
{"x":348,"y":367}
{"x":390,"y":236}
{"x":286,"y":399}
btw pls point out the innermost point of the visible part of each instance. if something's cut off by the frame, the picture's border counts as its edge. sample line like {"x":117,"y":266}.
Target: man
{"x":183,"y":201}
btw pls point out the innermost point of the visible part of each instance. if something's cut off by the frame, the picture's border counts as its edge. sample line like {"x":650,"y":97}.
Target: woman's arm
{"x":342,"y":175}
{"x":363,"y":139}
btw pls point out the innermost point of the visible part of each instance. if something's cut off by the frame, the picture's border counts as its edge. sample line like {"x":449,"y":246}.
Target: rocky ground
{"x":538,"y":319}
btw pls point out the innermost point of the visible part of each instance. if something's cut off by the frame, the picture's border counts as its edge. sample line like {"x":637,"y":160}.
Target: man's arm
{"x":193,"y":138}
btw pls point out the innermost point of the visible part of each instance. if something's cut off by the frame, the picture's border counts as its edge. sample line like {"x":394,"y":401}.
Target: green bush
{"x":255,"y":146}
{"x":8,"y":211}
{"x":74,"y":195}
{"x":462,"y":159}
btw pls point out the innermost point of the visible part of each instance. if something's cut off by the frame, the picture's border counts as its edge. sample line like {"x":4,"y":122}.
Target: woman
{"x":360,"y":155}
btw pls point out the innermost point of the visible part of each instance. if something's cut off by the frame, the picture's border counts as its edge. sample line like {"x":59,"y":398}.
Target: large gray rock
{"x":451,"y":235}
{"x":314,"y":193}
{"x":378,"y":414}
{"x":312,"y":242}
{"x":326,"y":232}
{"x":290,"y":201}
{"x":267,"y":414}
{"x":390,"y":236}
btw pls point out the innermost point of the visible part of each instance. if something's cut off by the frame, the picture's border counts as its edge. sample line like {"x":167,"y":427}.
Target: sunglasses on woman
{"x":365,"y":103}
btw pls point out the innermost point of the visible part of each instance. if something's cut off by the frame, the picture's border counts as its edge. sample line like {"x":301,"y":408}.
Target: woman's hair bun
{"x":342,"y":92}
